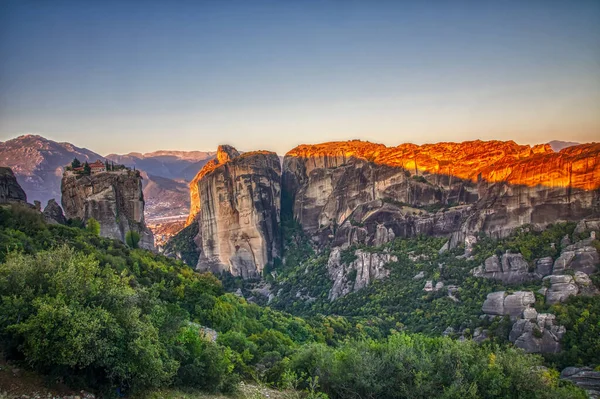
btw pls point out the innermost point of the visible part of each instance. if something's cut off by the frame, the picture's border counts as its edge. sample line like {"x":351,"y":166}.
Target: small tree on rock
{"x":132,"y":238}
{"x":86,"y":169}
{"x":75,"y":163}
{"x":93,"y":226}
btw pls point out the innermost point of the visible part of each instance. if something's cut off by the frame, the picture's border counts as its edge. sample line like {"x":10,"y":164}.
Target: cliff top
{"x":225,"y":154}
{"x":576,"y":166}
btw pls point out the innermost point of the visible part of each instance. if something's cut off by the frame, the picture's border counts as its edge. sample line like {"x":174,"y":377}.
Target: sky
{"x":121,"y":76}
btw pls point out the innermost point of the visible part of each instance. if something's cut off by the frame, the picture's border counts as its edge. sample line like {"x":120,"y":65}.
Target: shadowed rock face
{"x":235,"y":199}
{"x":53,"y":213}
{"x":10,"y":190}
{"x":343,"y":192}
{"x":114,"y":199}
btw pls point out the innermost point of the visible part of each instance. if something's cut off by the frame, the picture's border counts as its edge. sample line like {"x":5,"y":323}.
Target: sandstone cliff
{"x":235,"y":199}
{"x":343,"y":192}
{"x":114,"y":199}
{"x":10,"y":190}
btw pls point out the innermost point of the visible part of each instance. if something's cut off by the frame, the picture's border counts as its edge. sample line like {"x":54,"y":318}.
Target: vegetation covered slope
{"x":98,"y":314}
{"x":400,"y":303}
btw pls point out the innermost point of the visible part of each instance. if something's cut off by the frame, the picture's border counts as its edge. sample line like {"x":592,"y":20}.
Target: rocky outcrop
{"x":235,"y":199}
{"x":114,"y":199}
{"x":343,"y":192}
{"x":10,"y":190}
{"x":500,"y":303}
{"x":578,"y":257}
{"x":509,"y":269}
{"x":537,"y":333}
{"x":364,"y":268}
{"x":53,"y":213}
{"x":585,"y":378}
{"x":562,"y":286}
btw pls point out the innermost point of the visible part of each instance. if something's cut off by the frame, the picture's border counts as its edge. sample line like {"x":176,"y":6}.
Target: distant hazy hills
{"x":177,"y":165}
{"x":558,"y":145}
{"x":38,"y":165}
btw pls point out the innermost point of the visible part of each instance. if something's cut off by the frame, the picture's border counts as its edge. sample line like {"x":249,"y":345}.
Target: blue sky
{"x":120,"y":76}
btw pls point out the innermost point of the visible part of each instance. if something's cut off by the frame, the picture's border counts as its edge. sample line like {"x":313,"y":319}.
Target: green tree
{"x":132,"y":238}
{"x":75,"y":163}
{"x":86,"y":169}
{"x":93,"y":226}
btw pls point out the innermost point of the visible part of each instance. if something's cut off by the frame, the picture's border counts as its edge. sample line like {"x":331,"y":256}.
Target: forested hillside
{"x":101,"y":315}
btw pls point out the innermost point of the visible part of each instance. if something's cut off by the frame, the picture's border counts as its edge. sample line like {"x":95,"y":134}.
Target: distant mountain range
{"x":558,"y":145}
{"x":38,"y":164}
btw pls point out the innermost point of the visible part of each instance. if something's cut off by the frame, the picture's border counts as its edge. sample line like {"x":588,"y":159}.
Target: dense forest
{"x":102,"y":315}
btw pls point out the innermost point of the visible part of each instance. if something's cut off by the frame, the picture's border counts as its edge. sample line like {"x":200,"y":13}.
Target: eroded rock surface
{"x":537,"y":335}
{"x":10,"y":190}
{"x":563,"y":286}
{"x":510,"y":269}
{"x":365,"y":268}
{"x":114,"y":199}
{"x":235,"y":199}
{"x":585,"y":378}
{"x":500,"y":303}
{"x":343,"y":192}
{"x":53,"y":213}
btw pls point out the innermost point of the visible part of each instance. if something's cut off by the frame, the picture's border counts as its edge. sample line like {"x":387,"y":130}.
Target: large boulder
{"x":582,"y":257}
{"x":510,"y":269}
{"x":500,"y":303}
{"x":235,"y":199}
{"x":537,"y":335}
{"x":563,"y":286}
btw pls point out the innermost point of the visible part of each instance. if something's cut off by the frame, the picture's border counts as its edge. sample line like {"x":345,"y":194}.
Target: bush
{"x":132,"y":238}
{"x":93,"y":226}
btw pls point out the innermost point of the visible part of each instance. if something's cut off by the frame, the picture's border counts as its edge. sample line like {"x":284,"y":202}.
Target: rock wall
{"x":10,"y":190}
{"x":235,"y":199}
{"x":115,"y":199}
{"x":359,"y":273}
{"x":342,"y":192}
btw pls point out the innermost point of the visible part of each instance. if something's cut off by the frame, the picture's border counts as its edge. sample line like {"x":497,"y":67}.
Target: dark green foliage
{"x":183,"y":243}
{"x":94,"y":311}
{"x":406,"y":366}
{"x":75,"y":163}
{"x":581,"y":343}
{"x":132,"y":239}
{"x":86,"y":169}
{"x":107,"y":315}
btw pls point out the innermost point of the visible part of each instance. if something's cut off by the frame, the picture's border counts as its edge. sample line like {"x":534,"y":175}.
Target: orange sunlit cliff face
{"x":493,"y":161}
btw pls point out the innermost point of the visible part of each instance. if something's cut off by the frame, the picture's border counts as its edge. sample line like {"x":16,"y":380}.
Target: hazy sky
{"x":120,"y":76}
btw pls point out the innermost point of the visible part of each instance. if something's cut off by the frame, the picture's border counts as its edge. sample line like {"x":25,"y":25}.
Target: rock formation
{"x":53,"y":213}
{"x":563,"y":286}
{"x":585,"y":378}
{"x":343,"y":192}
{"x":358,"y":273}
{"x":114,"y":199}
{"x":500,"y":303}
{"x":578,"y":257}
{"x":10,"y":190}
{"x":235,"y":199}
{"x":537,"y":333}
